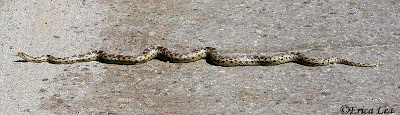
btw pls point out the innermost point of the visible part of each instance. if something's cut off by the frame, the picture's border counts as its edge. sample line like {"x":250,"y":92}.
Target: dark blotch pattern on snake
{"x":212,"y":56}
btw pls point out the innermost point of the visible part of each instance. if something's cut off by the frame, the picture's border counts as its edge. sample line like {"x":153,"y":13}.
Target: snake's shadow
{"x":21,"y":61}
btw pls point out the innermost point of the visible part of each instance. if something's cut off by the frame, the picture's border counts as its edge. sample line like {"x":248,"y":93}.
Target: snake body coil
{"x":210,"y":54}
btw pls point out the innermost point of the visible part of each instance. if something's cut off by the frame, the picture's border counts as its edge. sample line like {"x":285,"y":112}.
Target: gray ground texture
{"x":359,"y":30}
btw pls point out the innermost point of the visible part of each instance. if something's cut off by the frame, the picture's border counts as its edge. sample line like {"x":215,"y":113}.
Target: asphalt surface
{"x":359,"y":30}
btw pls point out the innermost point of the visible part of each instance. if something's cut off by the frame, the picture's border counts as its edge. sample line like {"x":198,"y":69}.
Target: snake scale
{"x":212,"y":55}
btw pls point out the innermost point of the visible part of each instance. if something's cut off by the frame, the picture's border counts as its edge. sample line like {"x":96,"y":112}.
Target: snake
{"x":212,"y":56}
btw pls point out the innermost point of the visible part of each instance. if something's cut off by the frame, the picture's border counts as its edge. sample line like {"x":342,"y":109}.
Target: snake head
{"x":24,"y":56}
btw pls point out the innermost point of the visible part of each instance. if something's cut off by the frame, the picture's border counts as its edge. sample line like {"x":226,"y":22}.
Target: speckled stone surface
{"x":362,"y":31}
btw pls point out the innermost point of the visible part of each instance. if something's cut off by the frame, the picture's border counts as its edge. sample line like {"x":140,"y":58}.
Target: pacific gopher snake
{"x":210,"y":54}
